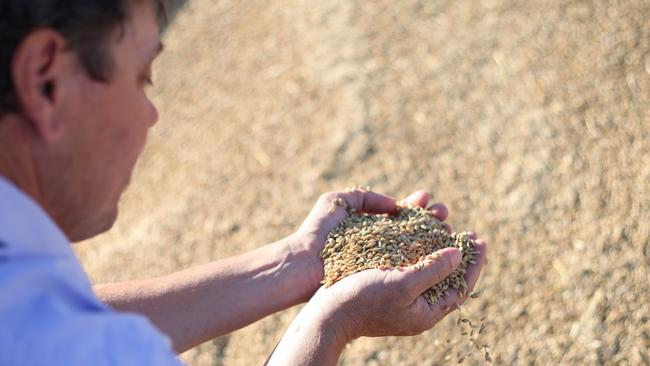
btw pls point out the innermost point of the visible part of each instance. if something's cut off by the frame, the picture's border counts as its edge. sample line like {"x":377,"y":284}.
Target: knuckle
{"x":438,"y":276}
{"x":448,"y":265}
{"x":443,"y":269}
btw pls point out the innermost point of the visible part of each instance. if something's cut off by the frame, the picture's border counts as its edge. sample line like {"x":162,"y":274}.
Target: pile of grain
{"x":364,"y":241}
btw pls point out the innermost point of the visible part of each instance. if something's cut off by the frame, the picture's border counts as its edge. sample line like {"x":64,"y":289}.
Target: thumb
{"x":435,"y":268}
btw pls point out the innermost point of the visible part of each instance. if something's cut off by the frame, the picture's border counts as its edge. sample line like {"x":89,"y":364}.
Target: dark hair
{"x":87,"y":25}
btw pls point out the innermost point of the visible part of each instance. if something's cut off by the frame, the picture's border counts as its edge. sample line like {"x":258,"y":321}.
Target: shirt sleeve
{"x":99,"y":339}
{"x":50,"y":316}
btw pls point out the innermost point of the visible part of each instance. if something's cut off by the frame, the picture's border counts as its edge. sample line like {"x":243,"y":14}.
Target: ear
{"x":38,"y":66}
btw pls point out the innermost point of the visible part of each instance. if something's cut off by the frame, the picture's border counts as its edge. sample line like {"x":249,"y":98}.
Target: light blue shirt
{"x":49,"y":314}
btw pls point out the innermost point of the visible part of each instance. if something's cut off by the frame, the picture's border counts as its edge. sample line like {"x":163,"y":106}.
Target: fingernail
{"x":429,"y":198}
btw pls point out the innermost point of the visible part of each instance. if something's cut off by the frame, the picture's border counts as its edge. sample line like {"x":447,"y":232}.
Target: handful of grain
{"x":364,"y":241}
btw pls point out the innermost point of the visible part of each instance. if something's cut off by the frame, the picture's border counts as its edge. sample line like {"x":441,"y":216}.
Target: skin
{"x":72,"y":149}
{"x":374,"y":303}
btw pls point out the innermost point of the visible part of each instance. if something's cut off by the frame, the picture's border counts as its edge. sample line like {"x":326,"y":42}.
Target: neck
{"x":16,"y":159}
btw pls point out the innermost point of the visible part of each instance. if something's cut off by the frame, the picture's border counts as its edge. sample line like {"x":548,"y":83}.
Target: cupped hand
{"x":389,"y":302}
{"x":325,"y":216}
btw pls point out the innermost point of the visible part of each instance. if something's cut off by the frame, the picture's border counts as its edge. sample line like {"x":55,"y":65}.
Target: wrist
{"x":311,"y":339}
{"x":329,"y":312}
{"x":329,"y":324}
{"x":308,"y":258}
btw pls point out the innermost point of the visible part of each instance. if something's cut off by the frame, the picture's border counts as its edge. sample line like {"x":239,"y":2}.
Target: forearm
{"x":200,"y":303}
{"x":311,"y":339}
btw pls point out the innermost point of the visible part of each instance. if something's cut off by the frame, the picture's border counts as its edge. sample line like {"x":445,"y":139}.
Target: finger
{"x":446,"y":304}
{"x":473,"y":270}
{"x":331,"y":207}
{"x":369,"y":201}
{"x":472,"y":235}
{"x":419,"y":198}
{"x":448,"y":227}
{"x":435,"y":268}
{"x":439,"y":211}
{"x":454,"y":299}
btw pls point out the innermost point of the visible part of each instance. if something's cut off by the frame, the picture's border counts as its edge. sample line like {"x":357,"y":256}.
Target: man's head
{"x":74,"y":114}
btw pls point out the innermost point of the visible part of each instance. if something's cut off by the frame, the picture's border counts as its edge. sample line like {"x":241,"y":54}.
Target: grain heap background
{"x":528,"y":118}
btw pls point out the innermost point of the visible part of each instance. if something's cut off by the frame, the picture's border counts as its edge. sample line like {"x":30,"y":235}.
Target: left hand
{"x":312,"y":234}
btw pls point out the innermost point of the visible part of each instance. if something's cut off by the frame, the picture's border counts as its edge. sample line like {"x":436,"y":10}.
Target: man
{"x":74,"y":117}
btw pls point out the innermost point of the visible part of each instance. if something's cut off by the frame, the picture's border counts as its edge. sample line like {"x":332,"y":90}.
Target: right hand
{"x":388,"y":302}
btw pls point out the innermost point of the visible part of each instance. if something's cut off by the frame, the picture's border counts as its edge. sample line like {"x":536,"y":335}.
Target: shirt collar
{"x":25,"y":228}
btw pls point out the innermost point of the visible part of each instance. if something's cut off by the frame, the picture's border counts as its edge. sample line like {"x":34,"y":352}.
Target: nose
{"x":153,"y":114}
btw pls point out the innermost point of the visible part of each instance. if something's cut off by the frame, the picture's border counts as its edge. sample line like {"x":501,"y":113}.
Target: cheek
{"x":129,"y":138}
